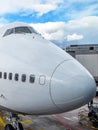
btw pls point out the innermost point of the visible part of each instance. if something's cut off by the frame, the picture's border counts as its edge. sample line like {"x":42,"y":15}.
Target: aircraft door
{"x":42,"y":80}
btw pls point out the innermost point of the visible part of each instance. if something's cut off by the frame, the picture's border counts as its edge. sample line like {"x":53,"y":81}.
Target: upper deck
{"x":16,"y":28}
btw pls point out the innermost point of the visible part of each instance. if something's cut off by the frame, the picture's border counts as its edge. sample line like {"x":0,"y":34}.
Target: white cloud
{"x":10,"y":6}
{"x":49,"y":27}
{"x":76,"y":9}
{"x":74,"y":37}
{"x":44,"y":6}
{"x":42,"y":9}
{"x":82,"y":31}
{"x":3,"y":21}
{"x":51,"y":30}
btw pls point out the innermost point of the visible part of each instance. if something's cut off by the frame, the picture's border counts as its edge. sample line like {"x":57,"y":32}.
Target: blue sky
{"x":62,"y":21}
{"x":47,"y":11}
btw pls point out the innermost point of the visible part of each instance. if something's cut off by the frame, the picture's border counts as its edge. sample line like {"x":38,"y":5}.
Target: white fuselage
{"x":59,"y":82}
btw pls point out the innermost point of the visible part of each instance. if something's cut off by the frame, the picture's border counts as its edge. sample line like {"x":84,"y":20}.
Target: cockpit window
{"x":22,"y":29}
{"x":32,"y":30}
{"x":8,"y":32}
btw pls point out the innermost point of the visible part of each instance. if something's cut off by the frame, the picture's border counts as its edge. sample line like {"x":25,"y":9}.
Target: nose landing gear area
{"x":89,"y":118}
{"x":79,"y":119}
{"x":12,"y":121}
{"x":29,"y":123}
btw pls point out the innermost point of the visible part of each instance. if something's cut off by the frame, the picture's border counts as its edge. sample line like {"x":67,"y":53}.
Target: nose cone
{"x":71,"y":86}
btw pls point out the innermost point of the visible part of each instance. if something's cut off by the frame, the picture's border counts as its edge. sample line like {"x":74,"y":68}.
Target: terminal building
{"x":87,"y":55}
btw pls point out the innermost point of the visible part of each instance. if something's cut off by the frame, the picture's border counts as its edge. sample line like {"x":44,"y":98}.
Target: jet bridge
{"x":87,"y":55}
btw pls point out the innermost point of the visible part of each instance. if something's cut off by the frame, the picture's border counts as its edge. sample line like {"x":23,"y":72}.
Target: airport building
{"x":87,"y":55}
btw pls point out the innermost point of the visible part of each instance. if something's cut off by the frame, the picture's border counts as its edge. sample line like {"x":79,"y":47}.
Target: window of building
{"x":10,"y":76}
{"x":32,"y":79}
{"x":5,"y":75}
{"x":91,"y":48}
{"x":16,"y":77}
{"x":0,"y":74}
{"x":23,"y":77}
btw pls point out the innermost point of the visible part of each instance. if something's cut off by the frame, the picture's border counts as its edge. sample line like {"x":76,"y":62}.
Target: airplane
{"x":37,"y":77}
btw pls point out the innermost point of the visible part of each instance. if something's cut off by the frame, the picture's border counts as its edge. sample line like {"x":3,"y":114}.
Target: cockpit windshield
{"x":22,"y":30}
{"x":19,"y":30}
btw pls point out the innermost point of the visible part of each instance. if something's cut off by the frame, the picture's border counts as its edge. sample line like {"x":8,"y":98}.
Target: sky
{"x":64,"y":22}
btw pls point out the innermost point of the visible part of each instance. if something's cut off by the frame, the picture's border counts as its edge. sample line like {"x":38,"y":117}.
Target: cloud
{"x":76,"y":9}
{"x":3,"y":21}
{"x":82,"y":31}
{"x":74,"y":37}
{"x":51,"y":30}
{"x":67,"y":9}
{"x":76,"y":20}
{"x":42,"y":9}
{"x":25,"y":6}
{"x":47,"y":10}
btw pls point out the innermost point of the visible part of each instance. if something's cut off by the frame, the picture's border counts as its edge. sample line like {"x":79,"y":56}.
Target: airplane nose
{"x":71,"y":86}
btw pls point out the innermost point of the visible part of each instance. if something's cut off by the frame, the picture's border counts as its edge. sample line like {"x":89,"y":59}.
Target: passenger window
{"x":32,"y":79}
{"x":0,"y":74}
{"x":5,"y":75}
{"x":16,"y":77}
{"x":10,"y":76}
{"x":23,"y":78}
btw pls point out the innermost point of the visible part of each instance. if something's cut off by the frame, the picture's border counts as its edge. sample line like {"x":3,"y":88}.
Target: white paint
{"x":68,"y":84}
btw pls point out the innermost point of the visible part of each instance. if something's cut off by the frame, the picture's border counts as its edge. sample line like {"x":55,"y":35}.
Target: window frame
{"x":16,"y":77}
{"x":9,"y":32}
{"x":0,"y":74}
{"x":31,"y":78}
{"x":23,"y":77}
{"x":5,"y":75}
{"x":10,"y":76}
